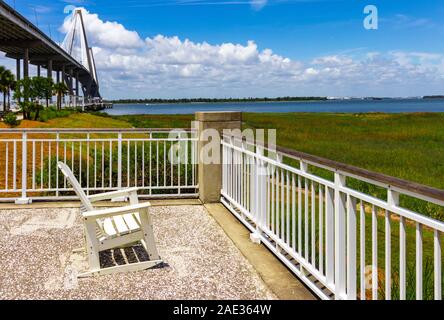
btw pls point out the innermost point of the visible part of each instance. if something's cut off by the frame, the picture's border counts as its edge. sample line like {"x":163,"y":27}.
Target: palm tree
{"x":13,"y":85}
{"x":25,"y":89}
{"x":60,"y":89}
{"x":8,"y":81}
{"x":2,"y":86}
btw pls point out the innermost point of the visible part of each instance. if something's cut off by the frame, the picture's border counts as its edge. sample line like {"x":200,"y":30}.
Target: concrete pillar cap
{"x":218,"y":116}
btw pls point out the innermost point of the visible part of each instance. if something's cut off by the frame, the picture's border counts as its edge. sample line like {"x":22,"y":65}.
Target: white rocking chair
{"x":114,"y":228}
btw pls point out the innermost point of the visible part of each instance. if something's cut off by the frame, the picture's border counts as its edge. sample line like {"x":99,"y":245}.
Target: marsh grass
{"x":407,"y":146}
{"x":144,"y":164}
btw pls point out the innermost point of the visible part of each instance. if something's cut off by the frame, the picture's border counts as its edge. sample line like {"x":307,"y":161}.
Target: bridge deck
{"x":17,"y":34}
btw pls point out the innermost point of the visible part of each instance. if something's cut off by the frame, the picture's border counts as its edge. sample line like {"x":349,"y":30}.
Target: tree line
{"x":215,"y":100}
{"x":434,"y":97}
{"x":29,"y":91}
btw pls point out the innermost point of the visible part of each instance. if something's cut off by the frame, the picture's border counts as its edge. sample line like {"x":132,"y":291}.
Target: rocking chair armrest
{"x":109,"y":212}
{"x":112,"y":194}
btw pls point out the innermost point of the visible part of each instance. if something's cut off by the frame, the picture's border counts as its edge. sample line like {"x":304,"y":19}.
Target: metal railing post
{"x":232,"y":161}
{"x":119,"y":161}
{"x":259,"y":196}
{"x":392,"y":200}
{"x":119,"y":166}
{"x":340,"y":237}
{"x":351,"y":248}
{"x":329,"y":236}
{"x":57,"y":160}
{"x":304,"y":168}
{"x":23,"y":199}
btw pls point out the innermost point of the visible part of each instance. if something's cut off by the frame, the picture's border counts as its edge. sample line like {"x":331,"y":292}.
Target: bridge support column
{"x":70,"y":87}
{"x":49,"y":74}
{"x":77,"y":83}
{"x":63,"y":74}
{"x":57,"y":76}
{"x":38,"y":70}
{"x":49,"y":69}
{"x":18,"y":73}
{"x":26,"y":63}
{"x":70,"y":81}
{"x":77,"y":88}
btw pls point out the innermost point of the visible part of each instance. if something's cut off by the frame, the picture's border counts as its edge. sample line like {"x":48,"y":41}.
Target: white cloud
{"x":258,"y":4}
{"x":169,"y":66}
{"x":162,"y":66}
{"x":106,"y":33}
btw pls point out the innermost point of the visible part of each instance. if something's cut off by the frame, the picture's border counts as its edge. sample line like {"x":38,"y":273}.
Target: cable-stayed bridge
{"x":72,"y":61}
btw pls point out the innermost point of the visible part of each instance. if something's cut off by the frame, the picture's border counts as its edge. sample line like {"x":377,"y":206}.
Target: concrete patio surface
{"x":202,"y":262}
{"x":273,"y":272}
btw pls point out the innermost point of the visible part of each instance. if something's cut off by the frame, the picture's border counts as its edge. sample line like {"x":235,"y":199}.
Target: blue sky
{"x":319,"y":47}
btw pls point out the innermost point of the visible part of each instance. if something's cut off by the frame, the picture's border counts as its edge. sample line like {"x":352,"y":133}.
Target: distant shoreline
{"x":263,"y":100}
{"x":218,"y":102}
{"x":210,"y":100}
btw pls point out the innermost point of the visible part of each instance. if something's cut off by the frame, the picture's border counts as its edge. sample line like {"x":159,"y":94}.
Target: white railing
{"x":101,"y":159}
{"x":344,"y":243}
{"x":73,"y":101}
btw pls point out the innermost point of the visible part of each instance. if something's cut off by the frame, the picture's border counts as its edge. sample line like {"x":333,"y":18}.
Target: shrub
{"x":43,"y":117}
{"x":51,"y":113}
{"x":11,"y":119}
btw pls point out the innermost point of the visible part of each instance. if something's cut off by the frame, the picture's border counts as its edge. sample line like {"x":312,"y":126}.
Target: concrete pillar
{"x":18,"y":71}
{"x":26,"y":63}
{"x":63,"y":74}
{"x":38,"y":70}
{"x":210,"y":174}
{"x":77,"y":83}
{"x":18,"y":75}
{"x":70,"y":81}
{"x":70,"y":86}
{"x":57,"y":76}
{"x":49,"y":70}
{"x":49,"y":74}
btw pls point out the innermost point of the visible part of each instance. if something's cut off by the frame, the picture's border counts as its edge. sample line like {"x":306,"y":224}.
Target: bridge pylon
{"x":76,"y":44}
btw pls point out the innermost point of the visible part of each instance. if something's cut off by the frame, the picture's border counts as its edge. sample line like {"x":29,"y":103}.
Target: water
{"x":341,"y":106}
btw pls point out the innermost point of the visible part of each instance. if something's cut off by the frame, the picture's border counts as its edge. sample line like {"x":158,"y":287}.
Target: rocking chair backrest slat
{"x":76,"y":185}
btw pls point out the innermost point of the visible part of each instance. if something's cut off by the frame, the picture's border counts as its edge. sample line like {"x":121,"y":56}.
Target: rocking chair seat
{"x":120,"y":225}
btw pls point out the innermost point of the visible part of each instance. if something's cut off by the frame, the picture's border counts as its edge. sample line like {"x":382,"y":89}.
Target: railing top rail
{"x":350,"y":170}
{"x":86,"y":130}
{"x":371,"y":175}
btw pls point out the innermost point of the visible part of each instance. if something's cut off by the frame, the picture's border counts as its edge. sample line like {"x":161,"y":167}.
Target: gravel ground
{"x":37,"y":262}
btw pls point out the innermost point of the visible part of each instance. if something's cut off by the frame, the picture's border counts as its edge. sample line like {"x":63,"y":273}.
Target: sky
{"x":243,"y":48}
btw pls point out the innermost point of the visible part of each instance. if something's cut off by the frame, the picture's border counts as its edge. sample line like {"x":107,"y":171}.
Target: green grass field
{"x":407,"y":146}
